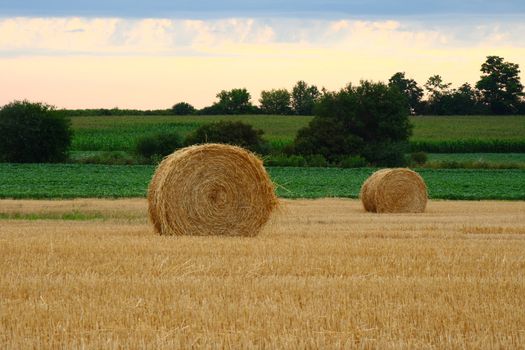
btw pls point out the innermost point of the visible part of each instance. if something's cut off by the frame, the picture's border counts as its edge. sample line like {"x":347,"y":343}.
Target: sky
{"x":153,"y":54}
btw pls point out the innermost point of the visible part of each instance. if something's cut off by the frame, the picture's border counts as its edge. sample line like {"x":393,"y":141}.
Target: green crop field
{"x":81,"y":180}
{"x":117,"y":133}
{"x":441,"y":128}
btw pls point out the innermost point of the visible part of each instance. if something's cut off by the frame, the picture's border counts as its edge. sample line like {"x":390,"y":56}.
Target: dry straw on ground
{"x":397,"y":190}
{"x":320,"y":279}
{"x":211,"y":189}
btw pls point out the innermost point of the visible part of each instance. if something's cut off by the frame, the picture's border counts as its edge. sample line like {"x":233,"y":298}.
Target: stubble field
{"x":323,"y":274}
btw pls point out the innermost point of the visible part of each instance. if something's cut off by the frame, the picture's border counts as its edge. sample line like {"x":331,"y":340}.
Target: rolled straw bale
{"x":367,"y":193}
{"x":210,"y":189}
{"x":152,"y":195}
{"x":398,"y":190}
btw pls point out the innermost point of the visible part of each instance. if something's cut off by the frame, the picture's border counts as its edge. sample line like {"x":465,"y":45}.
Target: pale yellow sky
{"x":149,"y":64}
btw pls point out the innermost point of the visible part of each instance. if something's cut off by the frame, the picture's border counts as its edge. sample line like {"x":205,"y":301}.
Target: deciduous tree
{"x":304,"y":97}
{"x":275,"y":102}
{"x":370,"y":120}
{"x":500,"y":85}
{"x":410,"y":89}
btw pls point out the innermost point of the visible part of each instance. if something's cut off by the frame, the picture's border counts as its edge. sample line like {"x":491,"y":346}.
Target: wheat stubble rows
{"x":323,"y":274}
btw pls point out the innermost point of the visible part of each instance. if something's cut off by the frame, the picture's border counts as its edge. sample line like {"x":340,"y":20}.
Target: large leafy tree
{"x":500,"y":85}
{"x":436,"y":87}
{"x":370,"y":120}
{"x":465,"y":100}
{"x":235,"y":101}
{"x":304,"y":97}
{"x":439,"y":95}
{"x":410,"y":89}
{"x":229,"y":132}
{"x":275,"y":102}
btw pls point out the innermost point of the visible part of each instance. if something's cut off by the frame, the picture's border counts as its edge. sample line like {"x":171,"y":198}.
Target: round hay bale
{"x":367,"y":193}
{"x":152,"y":195}
{"x":397,"y":190}
{"x":211,"y":189}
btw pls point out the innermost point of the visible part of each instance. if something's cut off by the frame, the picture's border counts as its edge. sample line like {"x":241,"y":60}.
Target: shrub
{"x":419,"y":158}
{"x":159,"y":145}
{"x":279,"y":147}
{"x":232,"y":133}
{"x":33,"y":133}
{"x":353,"y":162}
{"x":370,"y":120}
{"x":451,"y":164}
{"x":214,"y":109}
{"x":521,"y":107}
{"x":388,"y":153}
{"x":285,"y":160}
{"x":316,"y":160}
{"x":469,"y":146}
{"x":109,"y":158}
{"x":182,"y":108}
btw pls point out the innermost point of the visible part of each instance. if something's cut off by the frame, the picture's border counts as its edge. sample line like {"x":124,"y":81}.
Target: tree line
{"x":365,"y":124}
{"x":499,"y":91}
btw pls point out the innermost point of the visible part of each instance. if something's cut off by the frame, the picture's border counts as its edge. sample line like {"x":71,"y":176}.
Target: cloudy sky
{"x":152,"y":54}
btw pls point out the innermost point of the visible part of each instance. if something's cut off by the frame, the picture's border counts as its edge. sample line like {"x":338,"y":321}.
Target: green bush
{"x":109,"y":158}
{"x":159,"y":145}
{"x":316,"y":160}
{"x":285,"y":161}
{"x":353,"y":162}
{"x":469,"y":146}
{"x":370,"y":120}
{"x":33,"y":133}
{"x":183,"y":108}
{"x":388,"y":153}
{"x":469,"y":164}
{"x":419,"y":158}
{"x":232,"y":133}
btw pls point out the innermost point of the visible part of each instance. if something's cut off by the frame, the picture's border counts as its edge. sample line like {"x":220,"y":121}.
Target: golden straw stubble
{"x":211,"y":189}
{"x":398,"y":190}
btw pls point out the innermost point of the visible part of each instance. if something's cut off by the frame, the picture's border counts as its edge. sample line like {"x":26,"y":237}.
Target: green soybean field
{"x":114,"y":181}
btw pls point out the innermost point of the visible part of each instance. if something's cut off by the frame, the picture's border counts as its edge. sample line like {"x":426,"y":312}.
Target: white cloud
{"x":103,"y":36}
{"x":56,"y":34}
{"x":153,"y":63}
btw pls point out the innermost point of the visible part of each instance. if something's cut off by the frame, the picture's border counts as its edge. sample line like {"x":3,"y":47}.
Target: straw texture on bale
{"x":152,"y":195}
{"x":210,"y":189}
{"x":397,"y":190}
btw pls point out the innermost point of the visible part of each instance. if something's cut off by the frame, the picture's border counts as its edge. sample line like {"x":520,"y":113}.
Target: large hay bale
{"x":397,"y":190}
{"x":367,"y":193}
{"x":152,"y":195}
{"x":210,"y":189}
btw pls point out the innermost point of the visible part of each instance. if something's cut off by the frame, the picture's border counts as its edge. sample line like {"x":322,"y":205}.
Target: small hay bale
{"x":210,"y":189}
{"x":397,"y":190}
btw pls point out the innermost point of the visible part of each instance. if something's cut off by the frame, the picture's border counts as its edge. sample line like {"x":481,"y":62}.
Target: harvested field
{"x":323,"y":273}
